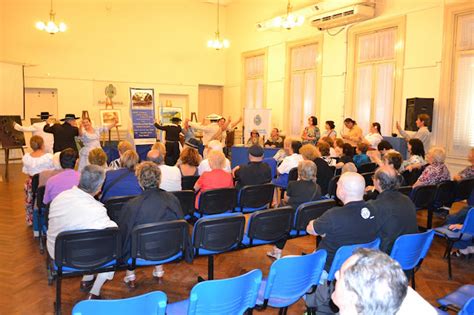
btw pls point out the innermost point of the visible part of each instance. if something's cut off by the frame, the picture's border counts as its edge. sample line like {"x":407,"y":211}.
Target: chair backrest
{"x":345,"y":252}
{"x":412,"y":177}
{"x":468,"y":225}
{"x":270,"y":224}
{"x":256,"y":196}
{"x":153,"y":303}
{"x":292,"y":276}
{"x":406,"y":190}
{"x":219,"y":233}
{"x":87,"y":249}
{"x":311,"y":211}
{"x":445,"y":194}
{"x":114,"y":206}
{"x":367,"y":168}
{"x":159,"y":241}
{"x":273,"y":165}
{"x":410,"y":249}
{"x":464,"y":188}
{"x":39,"y":197}
{"x":468,"y":308}
{"x":217,"y":201}
{"x":423,"y":196}
{"x":226,"y":296}
{"x":368,"y":177}
{"x":186,"y":199}
{"x":187,"y":182}
{"x":333,"y":186}
{"x":293,"y":174}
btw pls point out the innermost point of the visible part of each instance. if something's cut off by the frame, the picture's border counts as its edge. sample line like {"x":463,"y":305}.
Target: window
{"x":254,"y":81}
{"x":462,"y":84}
{"x":303,"y":76}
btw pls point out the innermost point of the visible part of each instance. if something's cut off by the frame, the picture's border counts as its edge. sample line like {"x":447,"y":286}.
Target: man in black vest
{"x":64,"y":133}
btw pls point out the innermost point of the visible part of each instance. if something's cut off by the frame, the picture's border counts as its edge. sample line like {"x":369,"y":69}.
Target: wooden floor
{"x":24,"y":288}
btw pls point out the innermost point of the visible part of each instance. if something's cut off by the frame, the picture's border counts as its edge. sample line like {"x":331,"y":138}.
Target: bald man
{"x":353,"y":223}
{"x":395,"y":213}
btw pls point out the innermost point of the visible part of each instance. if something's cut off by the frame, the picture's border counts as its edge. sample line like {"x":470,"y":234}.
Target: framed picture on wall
{"x":167,"y":113}
{"x":108,"y":116}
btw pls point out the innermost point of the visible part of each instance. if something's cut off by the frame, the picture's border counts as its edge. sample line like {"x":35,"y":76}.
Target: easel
{"x":7,"y":158}
{"x":195,"y":118}
{"x":108,"y":104}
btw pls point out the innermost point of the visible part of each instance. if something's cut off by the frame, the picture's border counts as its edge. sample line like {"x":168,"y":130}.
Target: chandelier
{"x":217,"y":43}
{"x":290,"y":20}
{"x":51,"y":27}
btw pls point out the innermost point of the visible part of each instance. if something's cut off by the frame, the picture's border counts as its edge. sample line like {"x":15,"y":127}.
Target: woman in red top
{"x":216,"y":178}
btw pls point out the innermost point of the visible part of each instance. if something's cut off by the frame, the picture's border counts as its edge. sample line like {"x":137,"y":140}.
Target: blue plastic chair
{"x":410,"y":250}
{"x":468,"y":308}
{"x":309,"y":211}
{"x":226,"y":296}
{"x":465,"y":234}
{"x":273,"y":165}
{"x":290,"y":278}
{"x":459,"y":299}
{"x":345,"y":252}
{"x":153,"y":303}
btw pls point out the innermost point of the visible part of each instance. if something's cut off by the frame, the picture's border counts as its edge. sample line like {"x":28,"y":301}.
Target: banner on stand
{"x":259,"y":119}
{"x":142,"y":112}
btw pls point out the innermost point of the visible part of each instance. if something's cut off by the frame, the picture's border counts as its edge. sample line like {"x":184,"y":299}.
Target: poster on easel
{"x":142,"y":112}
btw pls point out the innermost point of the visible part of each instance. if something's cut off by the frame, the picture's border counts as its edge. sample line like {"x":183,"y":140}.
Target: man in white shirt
{"x":370,"y":282}
{"x":204,"y":165}
{"x":423,"y":133}
{"x":170,"y":175}
{"x":76,"y":209}
{"x":37,"y":130}
{"x":208,"y":131}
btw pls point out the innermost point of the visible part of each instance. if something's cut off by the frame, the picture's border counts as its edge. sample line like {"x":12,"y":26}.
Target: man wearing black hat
{"x":172,"y":140}
{"x":37,"y":130}
{"x":64,"y":133}
{"x":255,"y":172}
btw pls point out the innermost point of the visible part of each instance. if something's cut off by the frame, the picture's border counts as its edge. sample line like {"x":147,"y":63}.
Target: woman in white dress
{"x":34,"y":163}
{"x":374,"y":136}
{"x":90,"y":137}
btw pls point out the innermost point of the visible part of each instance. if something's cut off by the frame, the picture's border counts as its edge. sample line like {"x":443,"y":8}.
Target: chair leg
{"x":57,"y":306}
{"x":413,"y":279}
{"x":429,"y":220}
{"x":283,"y":311}
{"x":450,"y":247}
{"x":210,"y":267}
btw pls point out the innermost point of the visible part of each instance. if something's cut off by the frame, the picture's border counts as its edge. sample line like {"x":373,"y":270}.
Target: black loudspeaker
{"x":415,"y":107}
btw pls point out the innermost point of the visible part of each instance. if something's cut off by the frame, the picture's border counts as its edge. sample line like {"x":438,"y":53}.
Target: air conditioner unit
{"x":343,"y":16}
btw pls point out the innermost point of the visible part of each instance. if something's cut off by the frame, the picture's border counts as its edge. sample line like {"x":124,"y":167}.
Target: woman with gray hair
{"x":152,"y":206}
{"x":436,"y":171}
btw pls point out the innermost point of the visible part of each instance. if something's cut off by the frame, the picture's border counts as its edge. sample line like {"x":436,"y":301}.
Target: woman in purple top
{"x":436,"y":171}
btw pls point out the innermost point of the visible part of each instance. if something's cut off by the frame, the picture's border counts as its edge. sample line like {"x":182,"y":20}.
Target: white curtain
{"x":304,"y":57}
{"x":377,"y":46}
{"x":363,"y":96}
{"x":296,"y":100}
{"x":463,"y":132}
{"x":465,"y":38}
{"x":254,"y":71}
{"x":384,"y":96}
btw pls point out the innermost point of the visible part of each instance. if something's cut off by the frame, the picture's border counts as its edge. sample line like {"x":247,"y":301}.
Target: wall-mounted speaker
{"x":415,"y":107}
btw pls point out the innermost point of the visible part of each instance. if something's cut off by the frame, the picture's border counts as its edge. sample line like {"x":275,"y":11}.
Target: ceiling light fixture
{"x":51,"y":27}
{"x":290,"y":20}
{"x":217,"y":43}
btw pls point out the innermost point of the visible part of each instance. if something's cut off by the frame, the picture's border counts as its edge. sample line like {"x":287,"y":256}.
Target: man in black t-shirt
{"x":353,"y":223}
{"x":395,"y":213}
{"x":255,"y":172}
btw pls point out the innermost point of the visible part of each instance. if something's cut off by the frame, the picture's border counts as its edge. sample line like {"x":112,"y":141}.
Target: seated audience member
{"x":347,"y":155}
{"x":170,"y":175}
{"x":255,"y":172}
{"x":34,"y":163}
{"x":423,"y":133}
{"x":330,"y":142}
{"x":275,"y":141}
{"x":213,"y":145}
{"x":353,"y":223}
{"x":303,"y":190}
{"x":374,"y":136}
{"x":349,"y":167}
{"x":352,"y":132}
{"x":153,"y":205}
{"x":283,"y":152}
{"x":292,"y":159}
{"x":122,"y":147}
{"x":338,"y":145}
{"x":330,"y":129}
{"x":160,"y":147}
{"x":455,"y":222}
{"x":390,"y":157}
{"x":361,"y":157}
{"x":383,"y":147}
{"x":417,"y":156}
{"x":323,"y":163}
{"x":65,"y":180}
{"x":216,"y":178}
{"x":188,"y":162}
{"x":436,"y":171}
{"x":254,"y":138}
{"x":309,"y":152}
{"x":395,"y":213}
{"x":371,"y":283}
{"x":122,"y":182}
{"x":98,"y":157}
{"x":47,"y":174}
{"x":76,"y":209}
{"x":468,"y":172}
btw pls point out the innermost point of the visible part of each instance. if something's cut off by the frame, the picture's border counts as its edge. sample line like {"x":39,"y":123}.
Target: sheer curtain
{"x":375,"y":85}
{"x":254,"y":71}
{"x":302,"y":86}
{"x":463,"y":126}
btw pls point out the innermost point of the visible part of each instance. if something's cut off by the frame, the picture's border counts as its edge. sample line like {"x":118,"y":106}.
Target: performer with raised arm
{"x":64,"y":133}
{"x":172,"y":140}
{"x":37,"y":130}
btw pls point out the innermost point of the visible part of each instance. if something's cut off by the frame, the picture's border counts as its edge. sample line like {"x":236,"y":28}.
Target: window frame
{"x":243,"y":92}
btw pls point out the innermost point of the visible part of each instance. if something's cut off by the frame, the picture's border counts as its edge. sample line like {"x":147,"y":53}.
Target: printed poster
{"x":142,"y":110}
